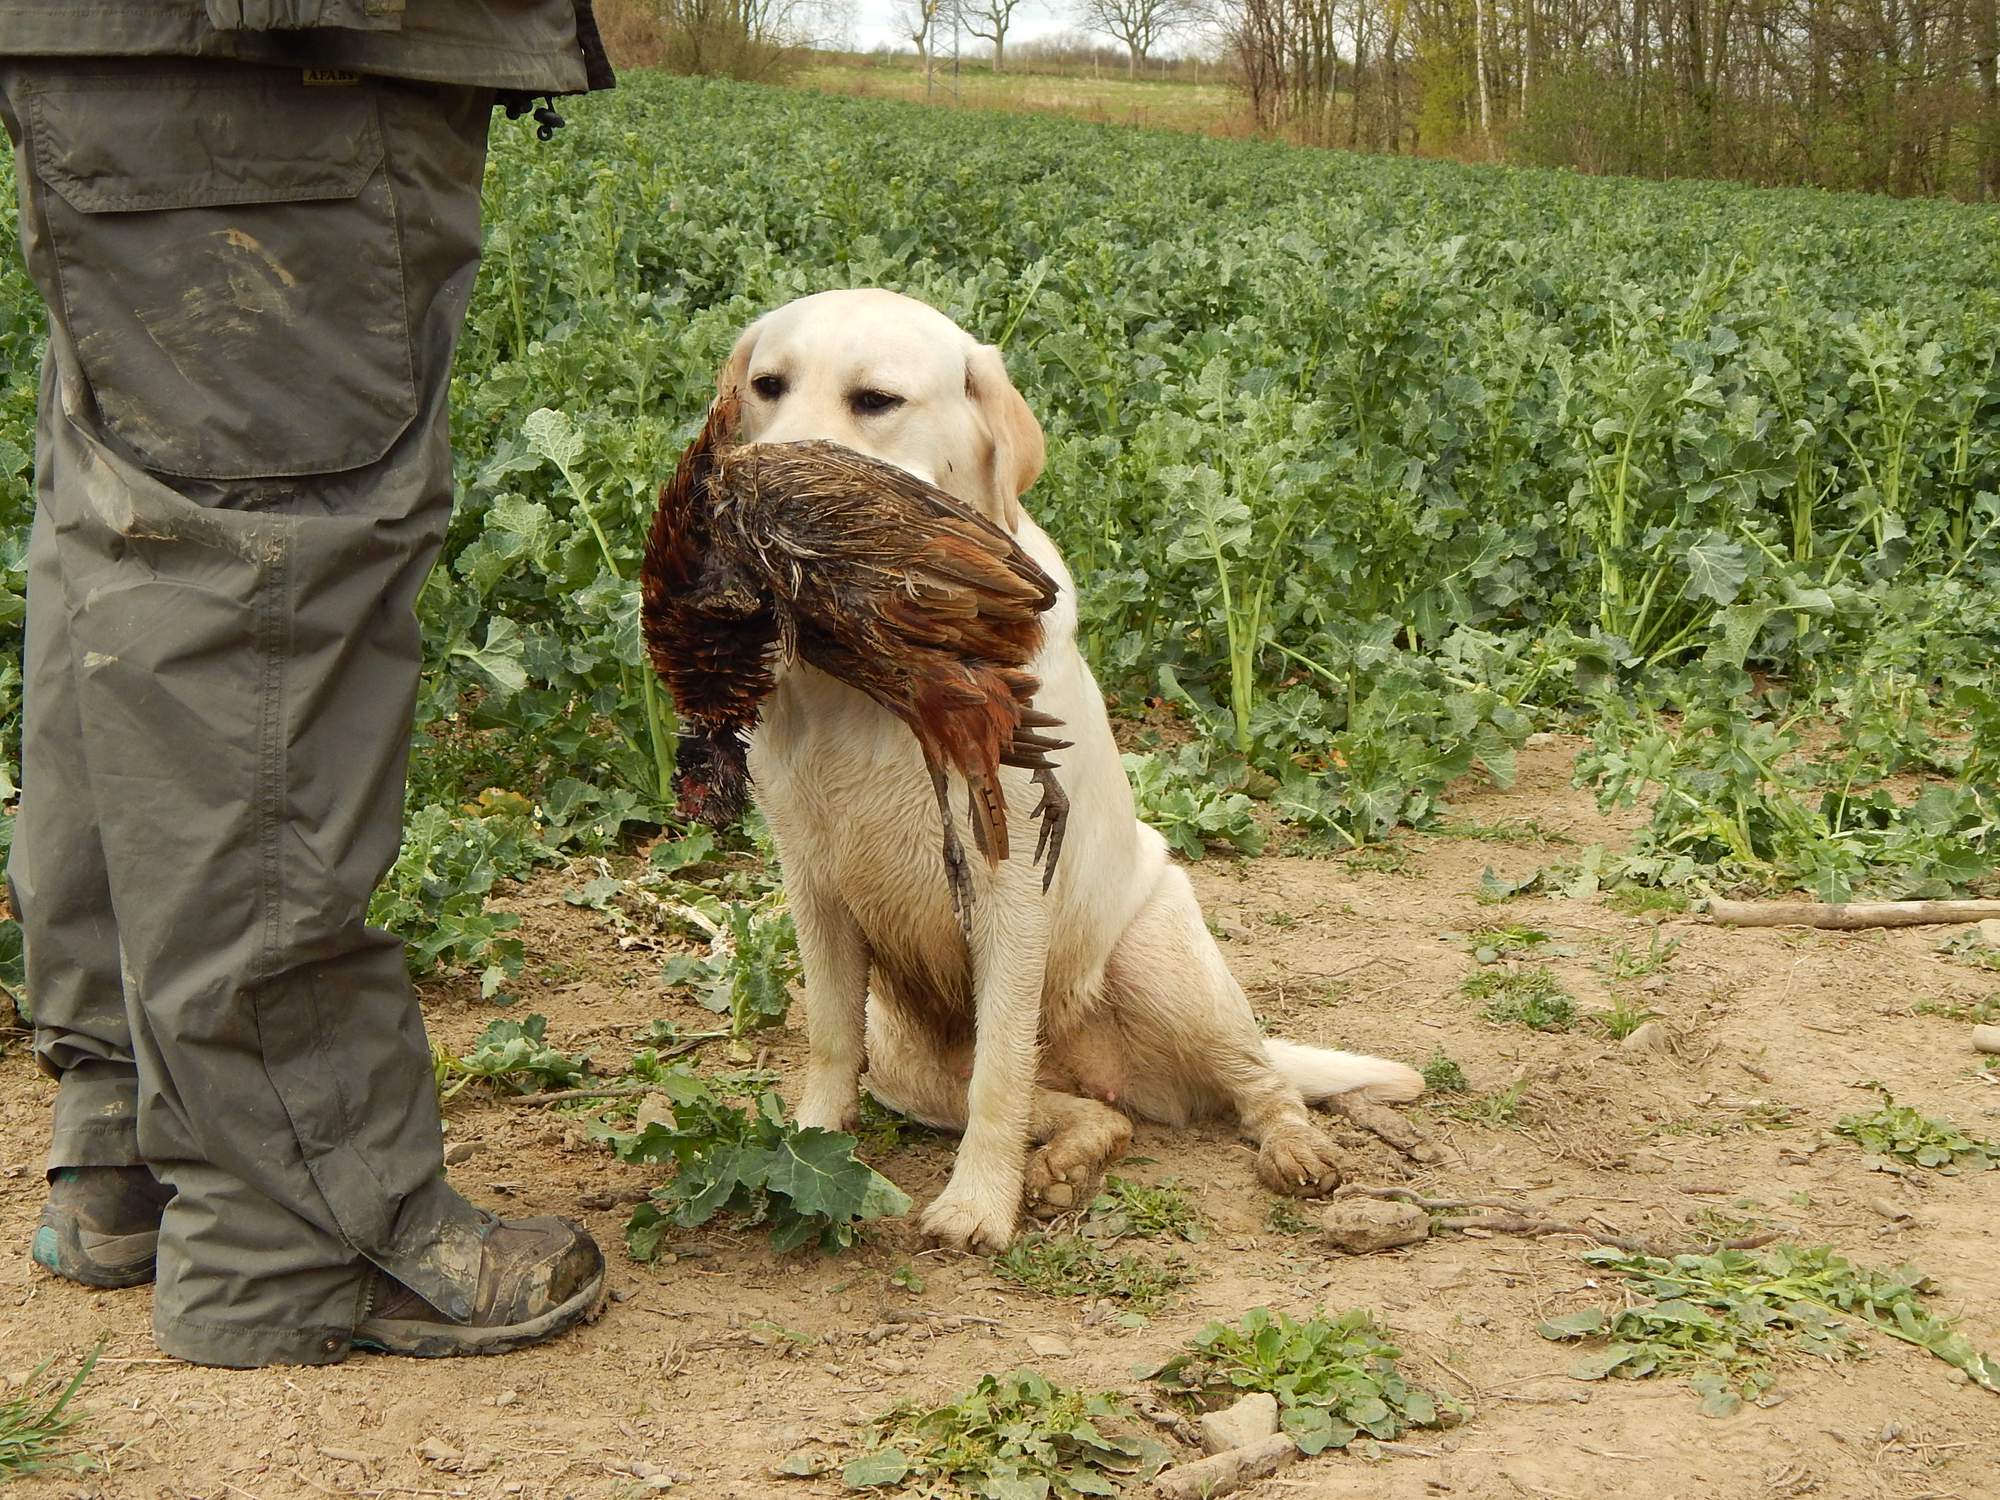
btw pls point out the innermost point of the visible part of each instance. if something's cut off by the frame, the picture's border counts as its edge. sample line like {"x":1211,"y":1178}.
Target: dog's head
{"x":890,"y":377}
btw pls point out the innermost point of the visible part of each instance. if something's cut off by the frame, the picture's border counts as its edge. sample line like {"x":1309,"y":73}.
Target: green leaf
{"x":884,"y":1466}
{"x":1717,"y":567}
{"x":551,"y":434}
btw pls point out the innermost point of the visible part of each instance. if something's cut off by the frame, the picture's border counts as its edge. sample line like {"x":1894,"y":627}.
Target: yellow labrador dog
{"x":1068,"y":1011}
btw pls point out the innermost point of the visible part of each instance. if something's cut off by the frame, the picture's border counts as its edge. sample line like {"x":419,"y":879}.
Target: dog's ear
{"x":1018,"y":447}
{"x":735,"y":368}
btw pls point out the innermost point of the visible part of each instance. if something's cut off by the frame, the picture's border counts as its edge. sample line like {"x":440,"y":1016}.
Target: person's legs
{"x":255,"y":289}
{"x":101,"y":1223}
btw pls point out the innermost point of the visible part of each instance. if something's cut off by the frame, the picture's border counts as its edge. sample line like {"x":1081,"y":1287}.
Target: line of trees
{"x":1897,"y":96}
{"x":1137,"y":26}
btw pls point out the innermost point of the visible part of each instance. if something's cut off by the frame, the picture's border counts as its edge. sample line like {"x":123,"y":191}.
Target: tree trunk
{"x":1986,"y":47}
{"x":1479,"y":68}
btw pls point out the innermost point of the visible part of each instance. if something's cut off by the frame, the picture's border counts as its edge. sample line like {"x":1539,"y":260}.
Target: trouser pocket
{"x":230,"y":267}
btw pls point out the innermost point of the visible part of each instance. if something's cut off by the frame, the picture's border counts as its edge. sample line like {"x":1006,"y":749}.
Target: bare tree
{"x":989,"y":20}
{"x":918,"y":19}
{"x":1140,"y":24}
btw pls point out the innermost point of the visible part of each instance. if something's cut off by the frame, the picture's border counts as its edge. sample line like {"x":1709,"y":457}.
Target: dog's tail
{"x":1320,"y":1073}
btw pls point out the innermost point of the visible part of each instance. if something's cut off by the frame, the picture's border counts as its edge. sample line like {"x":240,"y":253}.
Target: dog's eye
{"x":770,"y":387}
{"x":875,"y":401}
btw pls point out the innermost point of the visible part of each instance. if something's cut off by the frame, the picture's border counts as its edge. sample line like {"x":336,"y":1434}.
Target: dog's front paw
{"x":959,"y":1221}
{"x":1297,"y":1159}
{"x":830,"y":1105}
{"x":830,"y":1115}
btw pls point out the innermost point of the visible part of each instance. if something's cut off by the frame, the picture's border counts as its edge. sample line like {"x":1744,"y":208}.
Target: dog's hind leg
{"x":1191,"y":1046}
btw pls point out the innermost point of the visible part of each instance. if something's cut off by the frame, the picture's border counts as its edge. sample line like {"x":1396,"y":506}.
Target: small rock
{"x":1043,"y":1347}
{"x":1538,"y":739}
{"x":1887,"y":1209}
{"x":1232,"y":929}
{"x":1059,"y":1195}
{"x":1238,"y":1426}
{"x":437,"y":1451}
{"x":476,"y":1461}
{"x":1360,"y":1226}
{"x":1986,"y":1039}
{"x":1652,"y":984}
{"x":888,"y":1364}
{"x":1653,"y":1037}
{"x":464,"y":1151}
{"x":507,"y":1398}
{"x":1988,"y":931}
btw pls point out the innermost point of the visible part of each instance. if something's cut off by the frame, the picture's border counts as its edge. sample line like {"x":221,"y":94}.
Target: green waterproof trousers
{"x":255,"y":278}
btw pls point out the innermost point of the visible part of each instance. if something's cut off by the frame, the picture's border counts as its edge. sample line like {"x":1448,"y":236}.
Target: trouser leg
{"x":246,"y":656}
{"x":59,"y":887}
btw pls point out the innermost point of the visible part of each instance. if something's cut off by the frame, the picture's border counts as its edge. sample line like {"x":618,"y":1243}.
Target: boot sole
{"x":59,"y":1247}
{"x":456,"y":1340}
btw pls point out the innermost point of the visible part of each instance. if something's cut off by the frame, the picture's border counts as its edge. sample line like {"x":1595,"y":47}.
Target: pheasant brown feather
{"x":872,"y":576}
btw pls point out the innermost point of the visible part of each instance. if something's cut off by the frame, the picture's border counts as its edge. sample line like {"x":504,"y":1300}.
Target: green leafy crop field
{"x":1366,"y":469}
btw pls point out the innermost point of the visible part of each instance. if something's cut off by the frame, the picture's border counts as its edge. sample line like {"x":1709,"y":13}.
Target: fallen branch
{"x":1513,"y":1218}
{"x":1849,"y":916}
{"x":1389,"y":1126}
{"x":1521,"y":1224}
{"x":1226,"y":1473}
{"x":1428,"y":1205}
{"x":609,"y":1091}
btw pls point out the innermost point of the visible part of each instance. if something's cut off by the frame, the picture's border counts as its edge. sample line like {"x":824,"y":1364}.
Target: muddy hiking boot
{"x":537,"y":1278}
{"x":101,"y":1225}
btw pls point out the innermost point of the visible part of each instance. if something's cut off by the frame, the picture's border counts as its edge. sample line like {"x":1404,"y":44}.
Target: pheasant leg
{"x":1052,"y":812}
{"x":957,"y":874}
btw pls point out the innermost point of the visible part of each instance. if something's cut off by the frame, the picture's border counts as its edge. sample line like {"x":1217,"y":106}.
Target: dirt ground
{"x":718,"y":1360}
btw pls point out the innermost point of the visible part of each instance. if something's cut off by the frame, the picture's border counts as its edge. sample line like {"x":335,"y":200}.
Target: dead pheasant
{"x":813,"y":552}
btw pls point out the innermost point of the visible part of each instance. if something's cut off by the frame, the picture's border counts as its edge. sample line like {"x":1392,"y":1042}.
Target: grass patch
{"x":1164,"y":1212}
{"x":1491,"y":944}
{"x":1526,"y":997}
{"x":1517,"y":831}
{"x":1502,"y":1107}
{"x":1067,"y":1266}
{"x":1380,"y":859}
{"x":1335,"y":1378}
{"x":1623,"y":1018}
{"x":1444,"y":1076}
{"x":1625,"y":963}
{"x":1902,"y":1132}
{"x":1284,"y":1217}
{"x":1970,"y":948}
{"x":1979,"y":1012}
{"x":36,"y":1420}
{"x":1010,"y":1435}
{"x":1725,"y":1320}
{"x":1646,"y":901}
